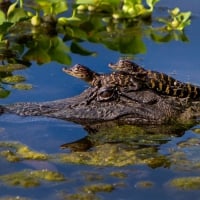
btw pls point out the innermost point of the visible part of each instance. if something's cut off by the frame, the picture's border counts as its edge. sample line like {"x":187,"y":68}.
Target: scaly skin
{"x":159,"y":81}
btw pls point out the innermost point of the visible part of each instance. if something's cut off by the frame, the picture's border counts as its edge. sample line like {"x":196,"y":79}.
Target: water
{"x":46,"y":135}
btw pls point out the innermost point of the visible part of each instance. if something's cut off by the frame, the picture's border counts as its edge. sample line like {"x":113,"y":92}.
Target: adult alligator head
{"x":136,"y":107}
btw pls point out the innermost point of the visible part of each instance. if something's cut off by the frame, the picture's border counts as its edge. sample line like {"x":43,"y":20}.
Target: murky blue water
{"x":46,"y":135}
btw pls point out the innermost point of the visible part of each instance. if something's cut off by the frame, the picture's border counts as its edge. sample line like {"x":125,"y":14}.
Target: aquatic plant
{"x":45,"y":31}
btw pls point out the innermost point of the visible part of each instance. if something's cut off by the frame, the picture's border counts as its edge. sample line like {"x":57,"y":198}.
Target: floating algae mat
{"x":15,"y":151}
{"x":186,"y":183}
{"x":31,"y":178}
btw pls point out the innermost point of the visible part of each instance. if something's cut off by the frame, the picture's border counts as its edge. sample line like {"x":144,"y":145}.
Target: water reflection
{"x":119,"y":145}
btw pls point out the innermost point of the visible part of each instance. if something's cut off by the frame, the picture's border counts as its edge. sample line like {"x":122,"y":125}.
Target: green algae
{"x":90,"y":192}
{"x":15,"y":151}
{"x":186,"y":183}
{"x":196,"y":130}
{"x":186,"y":155}
{"x":81,"y":196}
{"x":121,"y":146}
{"x":191,"y":142}
{"x":13,"y":79}
{"x":130,"y":135}
{"x":118,"y":146}
{"x":115,"y":155}
{"x":100,"y":187}
{"x":22,"y":86}
{"x":11,"y":67}
{"x":144,"y":184}
{"x":48,"y":175}
{"x":31,"y":178}
{"x":92,"y":176}
{"x":119,"y":174}
{"x":102,"y":155}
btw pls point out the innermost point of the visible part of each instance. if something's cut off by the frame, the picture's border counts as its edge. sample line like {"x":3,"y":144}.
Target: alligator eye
{"x":106,"y":94}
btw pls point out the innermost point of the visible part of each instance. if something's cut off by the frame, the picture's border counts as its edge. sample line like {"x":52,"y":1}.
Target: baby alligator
{"x":122,"y":79}
{"x":108,"y":84}
{"x":159,"y":81}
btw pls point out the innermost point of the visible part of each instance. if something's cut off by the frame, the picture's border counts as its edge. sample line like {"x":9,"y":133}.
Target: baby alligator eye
{"x":106,"y":93}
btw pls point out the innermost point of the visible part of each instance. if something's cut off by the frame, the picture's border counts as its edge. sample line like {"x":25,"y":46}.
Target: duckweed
{"x":103,"y":155}
{"x":116,"y":155}
{"x":22,"y":179}
{"x":196,"y":130}
{"x":31,"y":178}
{"x":13,"y":79}
{"x":119,"y":174}
{"x":81,"y":196}
{"x":94,"y":188}
{"x":92,"y":176}
{"x":48,"y":175}
{"x":22,"y":86}
{"x":144,"y":184}
{"x":14,"y":151}
{"x":12,"y":67}
{"x":186,"y":183}
{"x":190,"y":143}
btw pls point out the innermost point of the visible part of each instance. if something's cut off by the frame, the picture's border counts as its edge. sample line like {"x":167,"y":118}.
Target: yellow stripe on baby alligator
{"x":175,"y":91}
{"x":160,"y":86}
{"x":163,"y":76}
{"x":152,"y":83}
{"x":190,"y":88}
{"x":183,"y":92}
{"x":168,"y":90}
{"x":196,"y":92}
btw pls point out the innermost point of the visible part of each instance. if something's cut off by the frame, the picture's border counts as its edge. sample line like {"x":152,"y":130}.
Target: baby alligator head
{"x":82,"y":72}
{"x":126,"y":66}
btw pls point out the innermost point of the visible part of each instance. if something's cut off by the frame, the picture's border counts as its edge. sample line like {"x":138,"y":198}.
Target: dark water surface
{"x":134,"y":181}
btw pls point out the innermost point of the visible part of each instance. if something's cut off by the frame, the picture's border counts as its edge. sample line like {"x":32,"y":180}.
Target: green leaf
{"x":17,"y":15}
{"x":59,"y":7}
{"x":37,"y":54}
{"x":59,"y":51}
{"x":85,"y":2}
{"x":2,"y":17}
{"x":12,"y":8}
{"x":76,"y":48}
{"x":4,"y":93}
{"x":161,"y":38}
{"x":52,"y":6}
{"x":151,"y":3}
{"x":4,"y":29}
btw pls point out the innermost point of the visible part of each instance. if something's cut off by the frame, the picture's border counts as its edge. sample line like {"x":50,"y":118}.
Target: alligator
{"x":142,"y":106}
{"x":130,"y":76}
{"x":159,"y":81}
{"x":115,"y":79}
